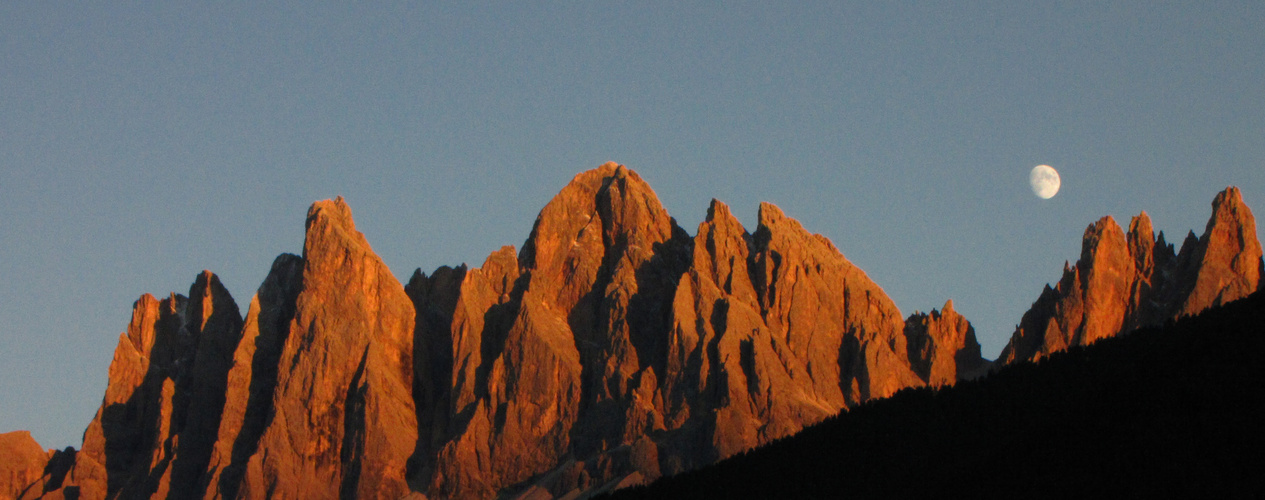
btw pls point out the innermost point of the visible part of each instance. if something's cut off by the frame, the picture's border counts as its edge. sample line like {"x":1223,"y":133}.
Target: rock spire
{"x":613,"y":349}
{"x":1125,"y":281}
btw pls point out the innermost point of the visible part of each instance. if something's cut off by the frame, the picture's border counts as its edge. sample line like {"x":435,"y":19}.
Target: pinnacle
{"x":770,"y":215}
{"x":1229,"y":194}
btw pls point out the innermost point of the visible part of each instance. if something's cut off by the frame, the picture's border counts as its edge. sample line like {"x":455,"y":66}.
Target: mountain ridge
{"x":1125,"y":281}
{"x":1168,"y":411}
{"x":614,"y":349}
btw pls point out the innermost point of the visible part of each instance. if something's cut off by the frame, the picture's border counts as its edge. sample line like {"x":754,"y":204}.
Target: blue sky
{"x":141,"y":143}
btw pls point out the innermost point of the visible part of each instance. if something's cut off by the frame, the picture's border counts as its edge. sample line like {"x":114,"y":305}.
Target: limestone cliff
{"x":616,"y":348}
{"x":341,"y":421}
{"x":1125,"y":281}
{"x":613,"y":349}
{"x":152,"y":435}
{"x":942,"y":347}
{"x":22,"y":462}
{"x":252,"y":380}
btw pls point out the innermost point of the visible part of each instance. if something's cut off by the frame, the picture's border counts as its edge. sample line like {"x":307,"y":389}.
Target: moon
{"x":1045,"y":181}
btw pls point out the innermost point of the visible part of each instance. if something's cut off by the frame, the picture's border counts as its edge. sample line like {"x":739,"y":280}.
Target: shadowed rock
{"x":154,"y":432}
{"x":942,"y":347}
{"x":252,"y":381}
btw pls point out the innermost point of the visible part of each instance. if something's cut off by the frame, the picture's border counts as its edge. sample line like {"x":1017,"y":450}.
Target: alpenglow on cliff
{"x":613,"y":349}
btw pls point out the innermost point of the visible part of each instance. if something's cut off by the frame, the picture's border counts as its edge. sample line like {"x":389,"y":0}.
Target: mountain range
{"x":1170,"y":411}
{"x":611,"y":350}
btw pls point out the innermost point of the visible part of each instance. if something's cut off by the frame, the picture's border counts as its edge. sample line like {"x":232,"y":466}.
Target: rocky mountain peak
{"x":1123,"y":282}
{"x":1229,"y":201}
{"x":771,"y":217}
{"x":1142,"y":243}
{"x":335,"y":211}
{"x":722,"y":248}
{"x":343,"y":390}
{"x":943,"y":348}
{"x":613,"y":349}
{"x":602,"y":217}
{"x":22,"y":463}
{"x":1105,"y":276}
{"x":1103,"y":240}
{"x":166,"y":381}
{"x":331,"y":230}
{"x":1226,"y":261}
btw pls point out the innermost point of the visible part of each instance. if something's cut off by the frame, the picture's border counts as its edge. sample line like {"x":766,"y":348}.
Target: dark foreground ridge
{"x":1171,"y":411}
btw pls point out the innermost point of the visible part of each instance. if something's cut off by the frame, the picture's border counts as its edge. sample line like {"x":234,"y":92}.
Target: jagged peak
{"x":335,"y":210}
{"x":1189,"y":244}
{"x":1105,"y":231}
{"x":1141,"y":225}
{"x":1071,"y":275}
{"x":501,"y":264}
{"x":720,"y":216}
{"x":773,"y":221}
{"x":504,"y":256}
{"x":208,"y":284}
{"x":609,"y":168}
{"x":1229,"y":197}
{"x":1142,"y":243}
{"x":1229,"y":210}
{"x":586,"y":240}
{"x":717,"y":209}
{"x":1219,"y":266}
{"x":285,"y":268}
{"x":330,"y":225}
{"x":593,"y":181}
{"x":208,"y":295}
{"x":1226,"y":259}
{"x":1101,"y":226}
{"x":771,"y":216}
{"x":612,"y":200}
{"x":945,"y":310}
{"x":138,"y":332}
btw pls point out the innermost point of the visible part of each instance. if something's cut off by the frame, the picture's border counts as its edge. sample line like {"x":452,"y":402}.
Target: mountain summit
{"x":1126,"y":281}
{"x":615,"y":348}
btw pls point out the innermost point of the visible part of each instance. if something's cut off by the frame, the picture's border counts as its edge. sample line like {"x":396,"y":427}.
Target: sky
{"x":141,"y":143}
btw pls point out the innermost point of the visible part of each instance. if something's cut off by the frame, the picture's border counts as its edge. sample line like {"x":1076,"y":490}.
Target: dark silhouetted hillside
{"x":1172,"y":411}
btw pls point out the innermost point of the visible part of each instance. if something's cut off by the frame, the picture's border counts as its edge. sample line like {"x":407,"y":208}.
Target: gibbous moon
{"x":1045,"y":181}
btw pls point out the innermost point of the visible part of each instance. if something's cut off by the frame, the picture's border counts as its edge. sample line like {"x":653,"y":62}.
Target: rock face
{"x":1125,"y":281}
{"x":942,"y":347}
{"x":252,"y":380}
{"x":1226,"y":261}
{"x":153,"y":433}
{"x":613,"y":349}
{"x":320,"y":396}
{"x":616,"y":348}
{"x":310,"y":397}
{"x":22,"y":462}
